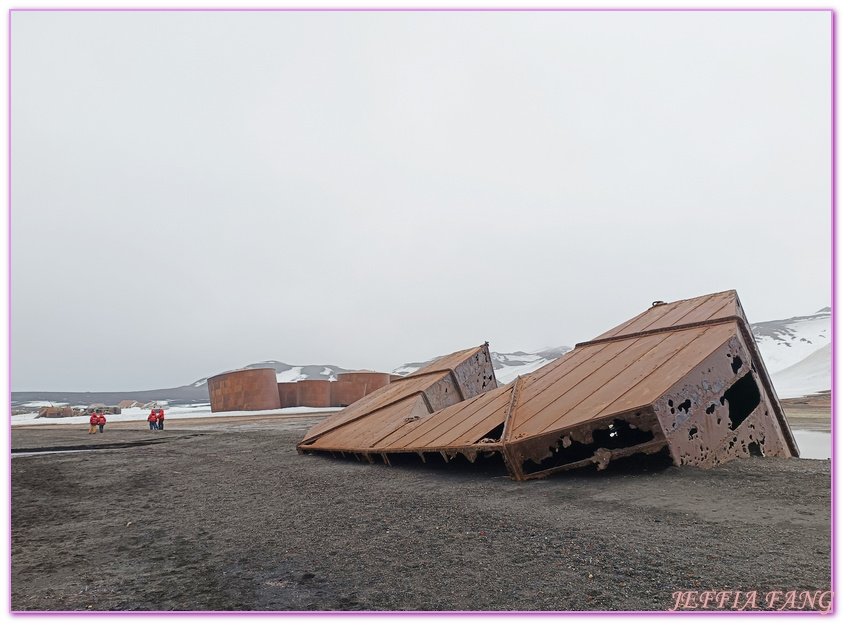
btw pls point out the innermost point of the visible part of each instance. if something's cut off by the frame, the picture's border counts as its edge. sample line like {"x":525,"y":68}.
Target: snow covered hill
{"x":784,"y":343}
{"x":507,"y":365}
{"x":809,"y":376}
{"x":796,"y":351}
{"x":286,"y":373}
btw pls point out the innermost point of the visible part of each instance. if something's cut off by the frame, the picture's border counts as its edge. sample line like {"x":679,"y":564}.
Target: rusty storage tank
{"x":343,"y":393}
{"x":288,"y":394}
{"x":373,"y":380}
{"x":314,"y":393}
{"x":244,"y":390}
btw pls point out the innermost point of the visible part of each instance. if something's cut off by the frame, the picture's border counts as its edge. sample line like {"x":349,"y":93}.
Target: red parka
{"x":160,"y":414}
{"x":95,"y":418}
{"x":153,"y":416}
{"x":101,"y":419}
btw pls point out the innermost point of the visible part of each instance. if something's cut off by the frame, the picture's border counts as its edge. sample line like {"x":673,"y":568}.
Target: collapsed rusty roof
{"x":684,"y":378}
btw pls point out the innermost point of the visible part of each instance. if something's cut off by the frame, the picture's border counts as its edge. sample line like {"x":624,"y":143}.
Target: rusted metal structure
{"x":288,"y":395}
{"x":370,"y":423}
{"x":372,"y":380}
{"x":343,"y":393}
{"x":684,"y":378}
{"x":313,"y":393}
{"x":244,"y":390}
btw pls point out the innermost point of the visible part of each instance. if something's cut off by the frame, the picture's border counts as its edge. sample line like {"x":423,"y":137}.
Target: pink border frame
{"x":428,"y":9}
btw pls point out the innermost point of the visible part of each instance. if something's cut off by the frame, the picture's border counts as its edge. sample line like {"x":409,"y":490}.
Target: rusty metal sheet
{"x":669,"y":380}
{"x":449,"y":362}
{"x":688,"y":311}
{"x":365,"y":433}
{"x":461,"y":424}
{"x":378,"y":399}
{"x":571,"y":405}
{"x":440,"y":384}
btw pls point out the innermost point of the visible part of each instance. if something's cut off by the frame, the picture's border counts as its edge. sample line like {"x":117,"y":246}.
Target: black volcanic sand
{"x":225,"y":515}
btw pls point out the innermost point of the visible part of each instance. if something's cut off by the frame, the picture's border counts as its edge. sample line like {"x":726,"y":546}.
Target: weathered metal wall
{"x":372,"y":380}
{"x":476,"y":374}
{"x":244,"y":390}
{"x":288,"y":395}
{"x":345,"y":392}
{"x":443,"y":393}
{"x":721,"y":411}
{"x":314,"y":393}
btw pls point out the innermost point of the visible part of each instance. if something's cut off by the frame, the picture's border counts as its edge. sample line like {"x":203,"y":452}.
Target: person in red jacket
{"x":101,"y":421}
{"x":95,"y":418}
{"x":160,"y":419}
{"x":153,"y":420}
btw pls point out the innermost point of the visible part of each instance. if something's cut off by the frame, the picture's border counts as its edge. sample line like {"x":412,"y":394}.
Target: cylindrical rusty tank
{"x":343,"y":393}
{"x":288,"y":394}
{"x":373,"y":380}
{"x":314,"y":393}
{"x":244,"y":390}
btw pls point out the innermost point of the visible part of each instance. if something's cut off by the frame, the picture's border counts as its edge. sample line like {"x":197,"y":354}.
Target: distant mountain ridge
{"x":796,"y":352}
{"x":507,"y":366}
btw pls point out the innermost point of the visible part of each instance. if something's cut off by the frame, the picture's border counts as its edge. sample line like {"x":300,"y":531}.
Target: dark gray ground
{"x":232,"y":518}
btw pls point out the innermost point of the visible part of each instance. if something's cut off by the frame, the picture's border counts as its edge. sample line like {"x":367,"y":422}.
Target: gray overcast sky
{"x":196,"y":191}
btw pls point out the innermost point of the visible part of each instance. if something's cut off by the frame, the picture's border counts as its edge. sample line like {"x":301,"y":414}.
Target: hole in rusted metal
{"x":620,"y":435}
{"x":755,"y":449}
{"x":736,"y":364}
{"x":493,"y":435}
{"x":710,"y":409}
{"x":743,"y":397}
{"x":685,"y":406}
{"x":692,"y":433}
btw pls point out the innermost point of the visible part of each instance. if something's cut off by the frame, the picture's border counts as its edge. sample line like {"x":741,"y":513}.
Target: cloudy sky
{"x":196,"y":191}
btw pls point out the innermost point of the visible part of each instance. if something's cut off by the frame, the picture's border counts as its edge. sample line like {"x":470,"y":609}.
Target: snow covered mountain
{"x":797,"y":353}
{"x":784,"y":343}
{"x":286,"y":373}
{"x":507,"y":366}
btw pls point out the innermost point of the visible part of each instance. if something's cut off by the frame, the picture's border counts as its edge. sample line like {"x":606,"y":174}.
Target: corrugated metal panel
{"x":364,"y":434}
{"x":449,"y":362}
{"x":459,"y":425}
{"x":719,"y":305}
{"x":378,"y":399}
{"x":438,"y":381}
{"x":642,"y":371}
{"x":636,"y":372}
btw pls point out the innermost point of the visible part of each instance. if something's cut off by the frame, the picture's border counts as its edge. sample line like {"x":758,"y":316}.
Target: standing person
{"x":93,"y":422}
{"x":101,"y":421}
{"x":160,"y":419}
{"x":153,"y":420}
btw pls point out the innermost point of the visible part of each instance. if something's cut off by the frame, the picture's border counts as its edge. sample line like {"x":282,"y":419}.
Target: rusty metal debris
{"x":683,"y":378}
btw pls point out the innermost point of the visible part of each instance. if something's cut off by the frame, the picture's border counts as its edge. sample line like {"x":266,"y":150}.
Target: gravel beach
{"x":224,"y":514}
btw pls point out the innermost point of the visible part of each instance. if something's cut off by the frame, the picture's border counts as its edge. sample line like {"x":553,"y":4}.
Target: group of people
{"x":156,"y":419}
{"x":96,"y":420}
